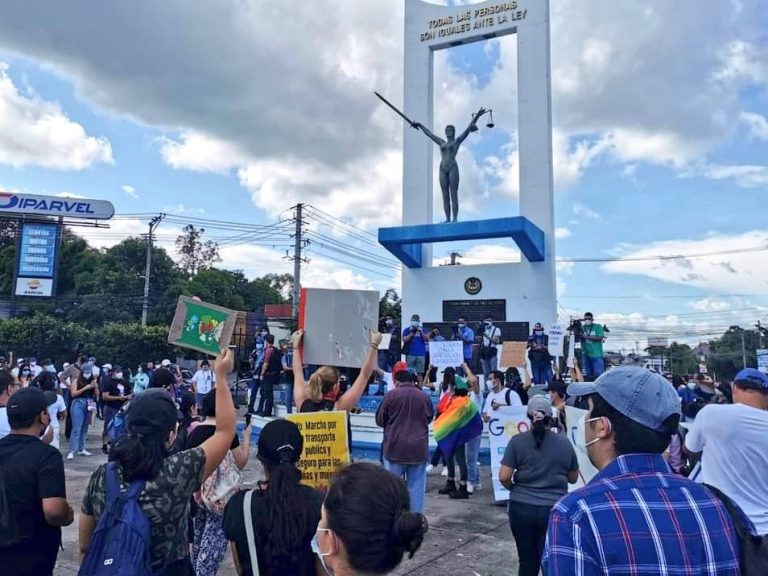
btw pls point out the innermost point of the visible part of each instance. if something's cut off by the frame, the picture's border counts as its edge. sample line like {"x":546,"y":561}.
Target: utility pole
{"x":743,"y":351}
{"x":153,"y":224}
{"x":298,"y":246}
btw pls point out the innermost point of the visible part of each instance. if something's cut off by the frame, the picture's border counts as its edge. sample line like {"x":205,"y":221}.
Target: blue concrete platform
{"x":405,"y":242}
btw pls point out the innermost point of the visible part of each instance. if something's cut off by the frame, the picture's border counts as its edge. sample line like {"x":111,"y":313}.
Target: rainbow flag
{"x":458,"y":423}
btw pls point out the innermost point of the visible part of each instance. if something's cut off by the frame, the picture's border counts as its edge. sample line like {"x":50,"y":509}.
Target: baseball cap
{"x":24,"y":405}
{"x":539,"y":407}
{"x":642,"y":396}
{"x":398,"y":367}
{"x":753,"y":378}
{"x":280,"y":442}
{"x":107,"y":366}
{"x":461,"y":384}
{"x":165,"y":362}
{"x":87,"y":370}
{"x":152,"y":411}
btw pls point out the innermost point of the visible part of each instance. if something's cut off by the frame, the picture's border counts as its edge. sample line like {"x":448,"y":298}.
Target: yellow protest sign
{"x":326,"y":447}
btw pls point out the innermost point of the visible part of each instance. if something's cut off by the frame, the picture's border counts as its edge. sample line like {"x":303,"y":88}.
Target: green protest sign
{"x":204,"y":327}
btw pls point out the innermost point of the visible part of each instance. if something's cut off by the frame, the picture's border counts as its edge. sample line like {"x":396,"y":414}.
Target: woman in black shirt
{"x":284,"y":513}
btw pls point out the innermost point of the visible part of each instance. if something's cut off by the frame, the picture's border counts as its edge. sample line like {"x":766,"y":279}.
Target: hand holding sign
{"x":447,"y":353}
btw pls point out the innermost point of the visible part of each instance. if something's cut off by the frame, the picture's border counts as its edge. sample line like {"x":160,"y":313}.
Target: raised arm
{"x":299,"y":385}
{"x":435,"y":139}
{"x":216,"y":446}
{"x":475,"y":117}
{"x":349,"y":399}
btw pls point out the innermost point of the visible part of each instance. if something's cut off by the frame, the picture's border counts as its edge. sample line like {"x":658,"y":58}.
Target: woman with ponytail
{"x":142,"y":454}
{"x":365,"y":531}
{"x":536,"y":468}
{"x":284,"y":513}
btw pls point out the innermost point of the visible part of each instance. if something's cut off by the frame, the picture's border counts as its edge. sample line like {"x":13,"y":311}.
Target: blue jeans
{"x":199,"y":400}
{"x":593,"y":367}
{"x":415,"y":476}
{"x":473,"y":470}
{"x":542,"y":372}
{"x":80,"y":421}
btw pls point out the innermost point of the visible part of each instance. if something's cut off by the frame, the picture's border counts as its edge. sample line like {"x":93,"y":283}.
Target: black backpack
{"x":754,"y":548}
{"x":275,"y":365}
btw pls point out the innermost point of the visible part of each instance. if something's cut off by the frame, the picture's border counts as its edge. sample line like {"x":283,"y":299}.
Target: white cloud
{"x":709,"y":304}
{"x":744,"y":175}
{"x":129,"y":190}
{"x":34,"y":132}
{"x":68,"y":195}
{"x":562,"y":233}
{"x":581,"y":210}
{"x":757,"y":125}
{"x":200,"y":153}
{"x":727,"y":273}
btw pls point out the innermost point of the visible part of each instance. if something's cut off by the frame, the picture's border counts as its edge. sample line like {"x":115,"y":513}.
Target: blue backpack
{"x":118,"y":426}
{"x":120,"y":544}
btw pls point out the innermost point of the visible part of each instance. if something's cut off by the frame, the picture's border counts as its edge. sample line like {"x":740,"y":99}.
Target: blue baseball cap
{"x":642,"y":396}
{"x":753,"y":378}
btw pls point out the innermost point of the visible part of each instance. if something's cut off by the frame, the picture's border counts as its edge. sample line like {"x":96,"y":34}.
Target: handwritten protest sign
{"x":447,"y":353}
{"x":199,"y":326}
{"x":556,"y":340}
{"x":512,"y":354}
{"x":501,"y":427}
{"x":336,"y":325}
{"x":574,"y":419}
{"x":326,"y":447}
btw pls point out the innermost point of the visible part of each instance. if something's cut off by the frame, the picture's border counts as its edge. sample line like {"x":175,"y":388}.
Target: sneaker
{"x":71,"y":456}
{"x":470,"y":488}
{"x":429,"y":468}
{"x":84,"y":453}
{"x":477,"y":486}
{"x":444,"y":473}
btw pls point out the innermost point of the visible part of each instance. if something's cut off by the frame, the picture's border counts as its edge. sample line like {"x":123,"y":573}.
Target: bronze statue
{"x":449,"y":169}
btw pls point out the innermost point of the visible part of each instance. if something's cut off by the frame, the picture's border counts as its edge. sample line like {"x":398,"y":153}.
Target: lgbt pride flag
{"x":458,"y":423}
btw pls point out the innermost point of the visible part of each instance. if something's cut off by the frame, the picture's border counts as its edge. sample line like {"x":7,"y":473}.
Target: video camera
{"x":575,"y":327}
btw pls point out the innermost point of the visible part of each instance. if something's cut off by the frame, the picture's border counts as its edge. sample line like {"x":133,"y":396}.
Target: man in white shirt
{"x":733,"y":440}
{"x":8,"y":385}
{"x":203,"y":379}
{"x":489,"y":357}
{"x":499,"y":397}
{"x":34,"y":367}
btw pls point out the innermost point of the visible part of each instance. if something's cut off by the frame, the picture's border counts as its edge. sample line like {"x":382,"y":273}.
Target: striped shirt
{"x":637,"y":517}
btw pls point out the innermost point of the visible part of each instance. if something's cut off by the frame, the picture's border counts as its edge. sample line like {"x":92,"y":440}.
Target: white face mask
{"x":691,"y":385}
{"x":321,"y":555}
{"x":581,"y":435}
{"x":119,"y":375}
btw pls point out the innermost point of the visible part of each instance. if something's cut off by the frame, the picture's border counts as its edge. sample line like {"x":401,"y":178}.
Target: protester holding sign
{"x":366,"y":526}
{"x":166,"y":482}
{"x":284,"y":513}
{"x":536,"y":469}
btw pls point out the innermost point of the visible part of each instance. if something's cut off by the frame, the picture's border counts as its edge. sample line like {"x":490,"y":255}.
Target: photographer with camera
{"x":415,"y":345}
{"x":489,"y":357}
{"x":467,"y":336}
{"x":593,"y":336}
{"x":538,"y":354}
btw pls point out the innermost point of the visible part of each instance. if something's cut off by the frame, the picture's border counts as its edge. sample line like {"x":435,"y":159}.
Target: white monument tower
{"x":513,"y":292}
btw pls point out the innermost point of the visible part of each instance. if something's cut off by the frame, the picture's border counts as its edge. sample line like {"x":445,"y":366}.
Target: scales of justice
{"x":449,"y":148}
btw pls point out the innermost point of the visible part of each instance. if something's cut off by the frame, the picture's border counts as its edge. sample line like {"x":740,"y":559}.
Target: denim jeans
{"x":255,"y":385}
{"x":473,"y":451}
{"x":415,"y":476}
{"x":542,"y":372}
{"x":593,"y":367}
{"x":80,"y":420}
{"x":489,"y":365}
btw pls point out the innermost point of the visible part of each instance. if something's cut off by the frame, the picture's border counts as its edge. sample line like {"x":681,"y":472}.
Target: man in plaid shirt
{"x":636,"y":516}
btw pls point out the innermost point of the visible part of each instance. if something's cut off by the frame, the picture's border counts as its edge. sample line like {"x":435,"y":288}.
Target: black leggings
{"x":437,"y":457}
{"x":459,"y":457}
{"x":529,"y":527}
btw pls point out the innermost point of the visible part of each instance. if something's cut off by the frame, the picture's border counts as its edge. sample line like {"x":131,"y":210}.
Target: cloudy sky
{"x":235,"y":110}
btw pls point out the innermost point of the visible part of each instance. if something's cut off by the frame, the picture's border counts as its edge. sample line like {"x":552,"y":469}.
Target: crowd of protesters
{"x":681,"y":484}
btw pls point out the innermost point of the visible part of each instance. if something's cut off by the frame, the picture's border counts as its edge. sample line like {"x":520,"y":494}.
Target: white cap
{"x":107,"y":366}
{"x":165,"y":362}
{"x":65,"y":365}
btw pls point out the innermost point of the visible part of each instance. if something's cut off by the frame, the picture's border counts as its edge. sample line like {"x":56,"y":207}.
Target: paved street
{"x":465,"y":537}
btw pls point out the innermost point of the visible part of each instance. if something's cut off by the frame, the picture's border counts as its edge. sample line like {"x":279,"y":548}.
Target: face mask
{"x":581,"y":434}
{"x":462,"y":326}
{"x":388,"y":322}
{"x":538,"y":332}
{"x":119,"y":375}
{"x":415,"y":323}
{"x":25,"y":372}
{"x":33,"y":364}
{"x":50,"y":368}
{"x":691,"y":385}
{"x":587,"y":322}
{"x":321,"y":555}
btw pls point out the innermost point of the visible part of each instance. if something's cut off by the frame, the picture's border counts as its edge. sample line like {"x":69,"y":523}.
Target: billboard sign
{"x":34,"y":205}
{"x":37,"y":259}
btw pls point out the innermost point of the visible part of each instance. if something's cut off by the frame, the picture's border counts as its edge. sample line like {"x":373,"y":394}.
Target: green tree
{"x":391,"y":305}
{"x":283,"y":283}
{"x":682,"y":359}
{"x":42,"y":336}
{"x":726,"y":352}
{"x":195,"y":253}
{"x":131,"y":344}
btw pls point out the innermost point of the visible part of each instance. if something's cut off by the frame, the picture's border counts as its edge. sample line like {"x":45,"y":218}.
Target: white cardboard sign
{"x":448,"y":353}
